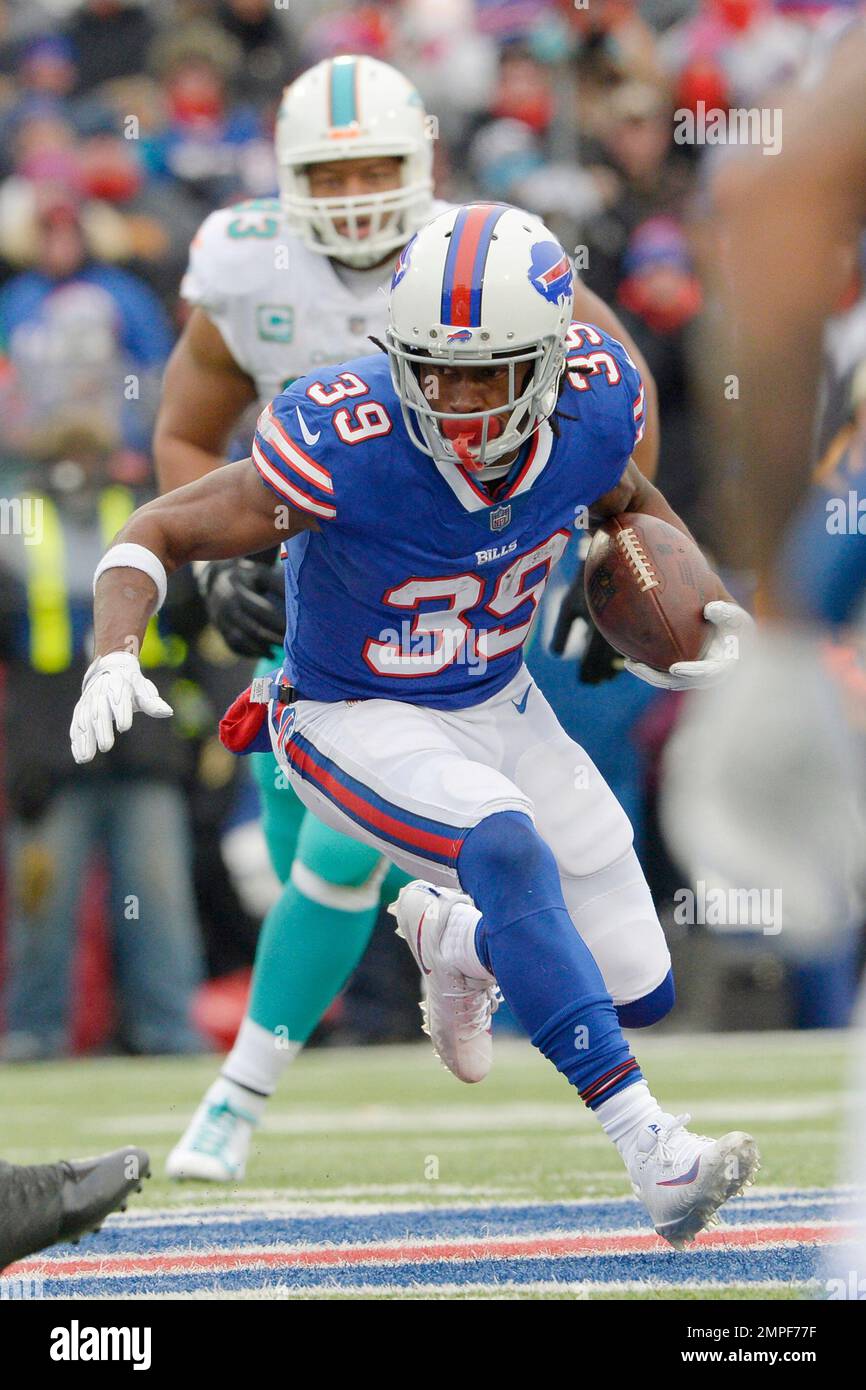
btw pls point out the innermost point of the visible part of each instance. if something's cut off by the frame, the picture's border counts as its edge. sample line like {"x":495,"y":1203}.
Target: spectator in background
{"x":453,"y":65}
{"x":509,"y":165}
{"x":354,"y":28}
{"x":732,"y":53}
{"x":109,"y":39}
{"x":614,"y":45}
{"x":133,"y":811}
{"x":61,"y":258}
{"x":154,"y":224}
{"x":268,"y":53}
{"x":214,"y":149}
{"x":38,"y":307}
{"x":658,"y":300}
{"x":47,"y":67}
{"x":32,"y":128}
{"x":653,"y":179}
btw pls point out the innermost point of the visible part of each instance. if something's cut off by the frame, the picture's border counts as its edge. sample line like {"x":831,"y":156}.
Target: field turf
{"x":377,"y":1175}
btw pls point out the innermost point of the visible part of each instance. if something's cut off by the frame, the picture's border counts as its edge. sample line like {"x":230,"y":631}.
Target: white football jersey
{"x":281,"y":309}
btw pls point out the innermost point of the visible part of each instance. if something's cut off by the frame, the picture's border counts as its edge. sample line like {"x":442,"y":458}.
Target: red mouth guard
{"x":465,"y":435}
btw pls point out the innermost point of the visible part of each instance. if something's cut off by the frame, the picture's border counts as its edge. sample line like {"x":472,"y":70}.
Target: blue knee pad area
{"x":641,"y":1013}
{"x":545,"y":970}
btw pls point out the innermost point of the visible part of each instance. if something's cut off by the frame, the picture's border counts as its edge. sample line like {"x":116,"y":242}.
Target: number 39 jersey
{"x":418,"y":584}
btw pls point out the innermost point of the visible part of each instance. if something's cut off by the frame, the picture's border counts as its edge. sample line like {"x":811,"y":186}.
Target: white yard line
{"x":507,"y":1116}
{"x":582,"y":1291}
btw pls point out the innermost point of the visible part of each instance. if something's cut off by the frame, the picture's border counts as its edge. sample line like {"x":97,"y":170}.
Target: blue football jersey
{"x":420,"y":585}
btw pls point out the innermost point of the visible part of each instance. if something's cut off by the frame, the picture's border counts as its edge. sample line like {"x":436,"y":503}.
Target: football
{"x":646,"y":586}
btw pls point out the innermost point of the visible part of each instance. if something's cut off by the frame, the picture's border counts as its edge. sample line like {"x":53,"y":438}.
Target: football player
{"x":419,"y":529}
{"x":279,"y":288}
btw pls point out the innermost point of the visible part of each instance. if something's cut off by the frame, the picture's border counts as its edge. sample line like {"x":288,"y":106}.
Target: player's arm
{"x":598,"y":661}
{"x":228,"y":512}
{"x":635,"y":493}
{"x":204,"y":394}
{"x":791,"y":223}
{"x":588,"y":308}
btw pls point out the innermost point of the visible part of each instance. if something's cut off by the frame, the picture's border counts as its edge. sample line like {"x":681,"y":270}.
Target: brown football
{"x":646,"y":587}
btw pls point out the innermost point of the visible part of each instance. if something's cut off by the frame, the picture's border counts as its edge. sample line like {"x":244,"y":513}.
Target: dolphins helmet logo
{"x":550,"y":272}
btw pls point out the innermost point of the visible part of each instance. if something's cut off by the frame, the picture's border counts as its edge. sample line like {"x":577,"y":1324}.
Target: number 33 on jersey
{"x":418,"y":584}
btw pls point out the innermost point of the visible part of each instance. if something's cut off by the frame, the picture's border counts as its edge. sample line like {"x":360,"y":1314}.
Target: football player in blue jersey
{"x":422,"y":498}
{"x":277,"y":288}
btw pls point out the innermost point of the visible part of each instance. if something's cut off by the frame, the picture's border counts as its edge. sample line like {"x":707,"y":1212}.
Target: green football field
{"x":380,"y":1136}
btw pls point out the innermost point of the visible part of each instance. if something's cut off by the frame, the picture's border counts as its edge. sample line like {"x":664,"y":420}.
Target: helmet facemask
{"x":486,"y":439}
{"x":394,"y":214}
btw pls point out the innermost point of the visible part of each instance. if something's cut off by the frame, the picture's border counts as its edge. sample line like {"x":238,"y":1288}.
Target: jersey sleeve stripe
{"x":638,"y":403}
{"x":295,"y":495}
{"x":291,"y":454}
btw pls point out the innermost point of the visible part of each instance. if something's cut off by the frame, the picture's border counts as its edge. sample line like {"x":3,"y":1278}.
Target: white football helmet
{"x":354,"y":108}
{"x":481,"y":284}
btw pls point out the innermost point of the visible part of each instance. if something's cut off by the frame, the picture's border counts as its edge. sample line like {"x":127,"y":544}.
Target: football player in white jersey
{"x":279,"y":287}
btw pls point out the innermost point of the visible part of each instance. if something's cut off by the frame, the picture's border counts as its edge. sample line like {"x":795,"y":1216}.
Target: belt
{"x":266,"y":688}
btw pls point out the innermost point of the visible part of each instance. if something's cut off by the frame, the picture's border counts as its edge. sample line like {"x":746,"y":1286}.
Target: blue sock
{"x":640,"y":1013}
{"x":545,"y":970}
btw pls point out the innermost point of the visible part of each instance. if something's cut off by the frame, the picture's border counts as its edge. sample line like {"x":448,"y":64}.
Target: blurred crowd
{"x":121,"y":126}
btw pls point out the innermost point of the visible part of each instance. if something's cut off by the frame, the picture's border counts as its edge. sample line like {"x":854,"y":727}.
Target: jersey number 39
{"x":365,"y":421}
{"x":436,"y":640}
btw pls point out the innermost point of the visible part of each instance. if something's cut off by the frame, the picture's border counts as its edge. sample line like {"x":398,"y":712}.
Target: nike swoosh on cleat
{"x":520,"y":705}
{"x":686,"y":1177}
{"x":308,"y":437}
{"x":418,"y":939}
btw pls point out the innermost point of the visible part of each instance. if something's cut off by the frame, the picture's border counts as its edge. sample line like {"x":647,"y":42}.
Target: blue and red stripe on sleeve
{"x":289,"y":470}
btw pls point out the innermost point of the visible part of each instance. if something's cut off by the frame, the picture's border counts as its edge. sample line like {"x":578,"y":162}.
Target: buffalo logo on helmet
{"x":460,"y":335}
{"x":550,"y":271}
{"x":403,"y":262}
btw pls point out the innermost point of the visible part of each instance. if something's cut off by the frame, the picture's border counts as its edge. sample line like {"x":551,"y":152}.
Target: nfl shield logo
{"x":500,"y":517}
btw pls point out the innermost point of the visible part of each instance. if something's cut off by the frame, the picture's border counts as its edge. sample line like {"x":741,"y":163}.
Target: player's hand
{"x":113,"y":690}
{"x":731,"y":623}
{"x":598,"y":660}
{"x":246,"y":602}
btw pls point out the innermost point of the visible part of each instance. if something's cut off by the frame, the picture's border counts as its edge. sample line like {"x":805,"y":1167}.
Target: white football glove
{"x":719,"y":660}
{"x":113,"y":690}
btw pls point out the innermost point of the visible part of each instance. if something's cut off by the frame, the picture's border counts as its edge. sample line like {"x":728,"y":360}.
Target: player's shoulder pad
{"x":306,"y":441}
{"x":603,"y":387}
{"x":231,"y":254}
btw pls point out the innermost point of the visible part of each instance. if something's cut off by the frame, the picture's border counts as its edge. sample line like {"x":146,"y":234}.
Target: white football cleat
{"x":457,"y":1009}
{"x":216,"y":1142}
{"x":683,"y":1178}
